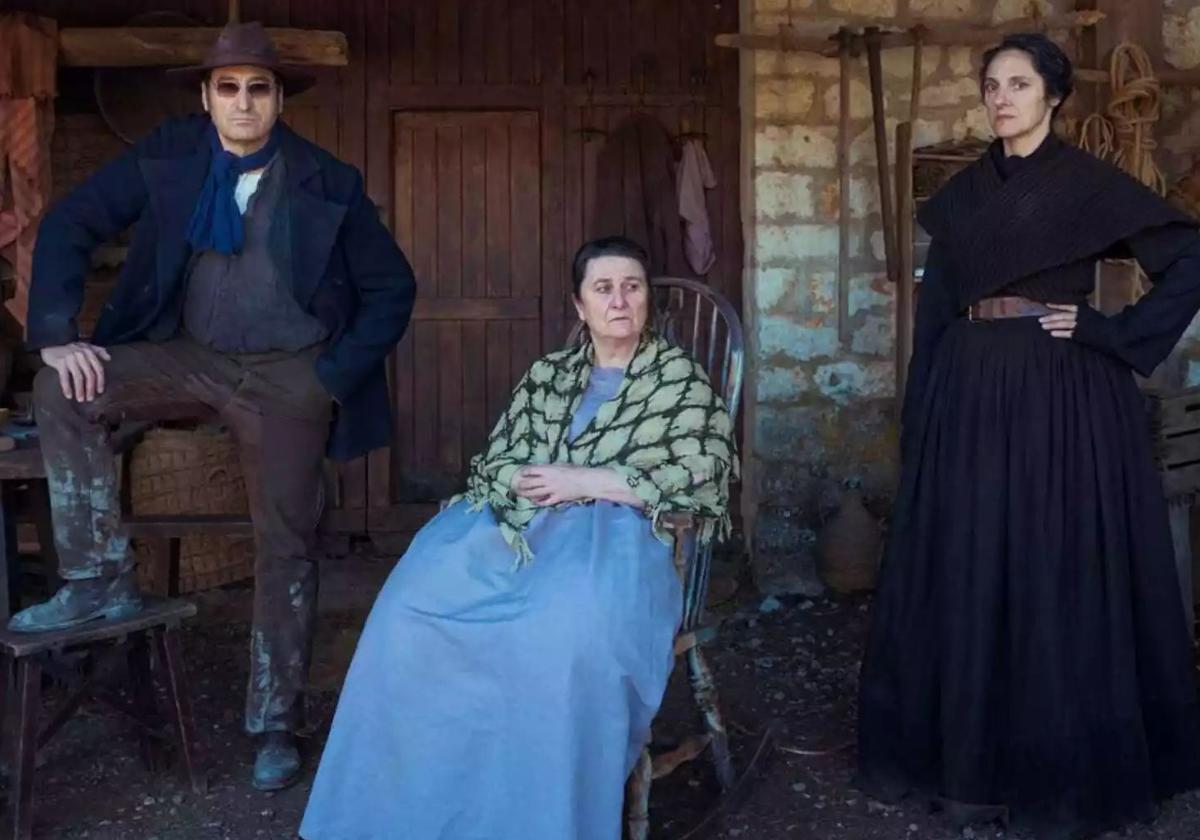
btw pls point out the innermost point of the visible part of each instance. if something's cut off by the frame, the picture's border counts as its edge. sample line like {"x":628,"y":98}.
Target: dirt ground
{"x":792,"y":662}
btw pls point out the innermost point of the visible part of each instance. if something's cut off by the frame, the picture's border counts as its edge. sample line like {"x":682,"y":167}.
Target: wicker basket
{"x":188,"y":472}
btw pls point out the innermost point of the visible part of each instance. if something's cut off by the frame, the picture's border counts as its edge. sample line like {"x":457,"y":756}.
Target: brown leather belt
{"x":991,"y":309}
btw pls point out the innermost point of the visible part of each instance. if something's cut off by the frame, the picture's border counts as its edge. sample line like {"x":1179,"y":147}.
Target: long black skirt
{"x":1028,"y":647}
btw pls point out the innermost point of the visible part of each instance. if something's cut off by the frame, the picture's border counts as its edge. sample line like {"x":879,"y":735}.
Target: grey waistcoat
{"x":244,"y":303}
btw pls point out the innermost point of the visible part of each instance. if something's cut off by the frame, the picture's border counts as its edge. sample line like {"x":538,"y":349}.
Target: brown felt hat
{"x":245,"y":43}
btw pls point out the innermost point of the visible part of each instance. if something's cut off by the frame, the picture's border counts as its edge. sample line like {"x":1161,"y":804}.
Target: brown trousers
{"x":278,"y":412}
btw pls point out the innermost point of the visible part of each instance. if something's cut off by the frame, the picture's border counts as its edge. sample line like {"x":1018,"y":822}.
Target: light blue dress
{"x":488,"y":703}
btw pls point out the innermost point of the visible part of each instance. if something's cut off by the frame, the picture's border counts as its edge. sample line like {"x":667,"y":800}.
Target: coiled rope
{"x":1124,"y":134}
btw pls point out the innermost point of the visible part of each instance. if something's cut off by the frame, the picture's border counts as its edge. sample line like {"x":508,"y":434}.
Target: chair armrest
{"x":678,"y":522}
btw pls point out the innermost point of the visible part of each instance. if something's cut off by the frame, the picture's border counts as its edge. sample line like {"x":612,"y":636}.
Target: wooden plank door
{"x":467,"y":212}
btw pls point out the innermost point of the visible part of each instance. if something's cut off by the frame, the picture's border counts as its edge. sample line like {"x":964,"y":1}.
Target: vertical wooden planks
{"x":553,"y":254}
{"x":426,"y":197}
{"x":549,"y":31}
{"x":594,"y":38}
{"x":574,"y":61}
{"x":425,"y":388}
{"x":450,"y":398}
{"x":379,"y":125}
{"x":645,"y":43}
{"x":526,"y":225}
{"x":473,"y":48}
{"x":446,"y":43}
{"x":498,"y":367}
{"x":596,"y":118}
{"x":449,"y":210}
{"x":620,"y":34}
{"x":498,"y":207}
{"x":474,"y":210}
{"x":524,"y":52}
{"x":573,"y":198}
{"x":499,"y":43}
{"x":476,"y":421}
{"x":407,"y":404}
{"x":665,"y":61}
{"x":425,"y":27}
{"x":385,"y":470}
{"x":401,"y":25}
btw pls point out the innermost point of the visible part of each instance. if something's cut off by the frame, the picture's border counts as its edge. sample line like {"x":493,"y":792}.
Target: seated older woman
{"x":510,"y":669}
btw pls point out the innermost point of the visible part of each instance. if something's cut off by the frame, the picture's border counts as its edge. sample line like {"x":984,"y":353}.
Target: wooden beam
{"x":1166,"y":76}
{"x":785,"y":40}
{"x":789,"y":39}
{"x":140,"y":46}
{"x":983,"y":36}
{"x":1136,"y":21}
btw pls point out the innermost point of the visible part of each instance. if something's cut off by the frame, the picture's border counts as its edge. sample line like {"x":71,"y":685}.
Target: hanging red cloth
{"x":28,"y":69}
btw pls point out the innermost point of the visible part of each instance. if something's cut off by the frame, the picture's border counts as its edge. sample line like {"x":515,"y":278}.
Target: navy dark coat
{"x":346,"y":268}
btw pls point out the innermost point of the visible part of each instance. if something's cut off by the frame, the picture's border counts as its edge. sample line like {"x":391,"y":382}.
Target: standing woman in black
{"x":1029,"y":658}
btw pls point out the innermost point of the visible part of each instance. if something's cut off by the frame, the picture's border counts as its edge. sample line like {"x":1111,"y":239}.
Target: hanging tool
{"x":905,"y":222}
{"x":845,"y":61}
{"x":874,"y":40}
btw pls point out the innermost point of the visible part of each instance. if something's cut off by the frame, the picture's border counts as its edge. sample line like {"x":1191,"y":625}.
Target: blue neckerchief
{"x":216,"y":222}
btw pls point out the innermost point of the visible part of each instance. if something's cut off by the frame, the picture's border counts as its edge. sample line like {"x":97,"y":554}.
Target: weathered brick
{"x":793,"y":242}
{"x":790,"y":98}
{"x":860,"y":101}
{"x":865,"y":293}
{"x":771,"y":286}
{"x":1181,"y":36}
{"x":875,"y":337}
{"x":848,"y":380}
{"x":788,"y":63}
{"x":951,"y":93}
{"x":897,"y":64}
{"x":780,"y":384}
{"x":786,"y":337}
{"x":1012,"y":9}
{"x":973,"y":124}
{"x":941,"y":8}
{"x":779,"y":194}
{"x":962,"y":61}
{"x":865,"y":8}
{"x":796,"y":146}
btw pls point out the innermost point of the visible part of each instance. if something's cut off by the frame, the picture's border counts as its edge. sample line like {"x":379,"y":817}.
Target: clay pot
{"x":848,"y":546}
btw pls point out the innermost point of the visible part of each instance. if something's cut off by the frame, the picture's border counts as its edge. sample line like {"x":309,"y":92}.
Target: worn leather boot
{"x":277,"y":764}
{"x":80,"y":601}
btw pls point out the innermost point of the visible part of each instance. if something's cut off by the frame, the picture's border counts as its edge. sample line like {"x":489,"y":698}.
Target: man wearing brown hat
{"x":261,"y":289}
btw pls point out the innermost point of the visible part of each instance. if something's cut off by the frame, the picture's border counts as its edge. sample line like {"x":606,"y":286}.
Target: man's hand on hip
{"x":80,"y":368}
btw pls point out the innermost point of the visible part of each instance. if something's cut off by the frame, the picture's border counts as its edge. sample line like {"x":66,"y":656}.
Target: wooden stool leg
{"x":141,"y":686}
{"x":24,"y":747}
{"x":704,"y":691}
{"x":179,"y":699}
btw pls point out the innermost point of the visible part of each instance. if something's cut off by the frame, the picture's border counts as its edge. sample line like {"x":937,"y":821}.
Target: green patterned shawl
{"x":666,"y":431}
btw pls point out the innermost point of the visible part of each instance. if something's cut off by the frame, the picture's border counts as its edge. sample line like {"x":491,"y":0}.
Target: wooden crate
{"x":1175,"y":424}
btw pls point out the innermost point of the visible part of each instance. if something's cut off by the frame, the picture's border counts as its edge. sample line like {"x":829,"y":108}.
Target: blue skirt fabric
{"x":486,"y":702}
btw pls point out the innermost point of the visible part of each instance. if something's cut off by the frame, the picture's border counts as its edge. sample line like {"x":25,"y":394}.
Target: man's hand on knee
{"x":80,"y":368}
